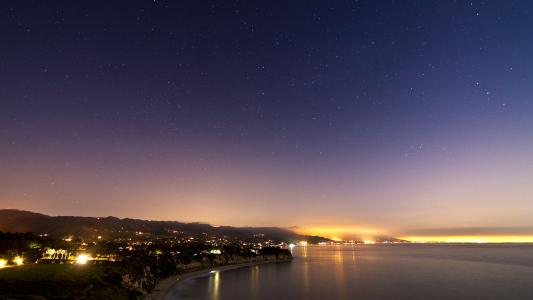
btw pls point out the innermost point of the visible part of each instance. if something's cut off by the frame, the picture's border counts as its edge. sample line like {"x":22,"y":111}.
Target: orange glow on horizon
{"x":470,"y":239}
{"x":368,"y":235}
{"x":338,"y":233}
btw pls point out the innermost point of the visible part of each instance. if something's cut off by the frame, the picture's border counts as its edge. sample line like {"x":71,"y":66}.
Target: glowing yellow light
{"x":342,"y":232}
{"x":368,"y":242}
{"x":469,"y":239}
{"x":3,"y":263}
{"x":18,"y":260}
{"x":99,"y":237}
{"x":302,"y":243}
{"x":82,"y":259}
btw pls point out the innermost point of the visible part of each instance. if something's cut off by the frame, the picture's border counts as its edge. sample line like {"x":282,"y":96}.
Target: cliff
{"x":143,"y":281}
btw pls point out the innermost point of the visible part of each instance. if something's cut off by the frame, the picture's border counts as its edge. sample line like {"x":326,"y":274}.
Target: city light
{"x":3,"y":263}
{"x":82,"y":259}
{"x":340,"y":232}
{"x":18,"y":260}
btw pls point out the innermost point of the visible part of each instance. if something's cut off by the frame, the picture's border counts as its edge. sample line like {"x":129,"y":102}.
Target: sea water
{"x":424,"y":271}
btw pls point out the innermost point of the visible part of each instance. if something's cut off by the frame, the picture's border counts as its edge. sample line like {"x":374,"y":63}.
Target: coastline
{"x":165,"y":285}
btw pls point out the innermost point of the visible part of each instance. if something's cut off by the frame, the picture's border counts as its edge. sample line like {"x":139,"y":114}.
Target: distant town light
{"x":82,"y":259}
{"x":368,"y":242}
{"x":303,"y":243}
{"x":3,"y":263}
{"x":99,"y":237}
{"x":18,"y":260}
{"x":215,"y":251}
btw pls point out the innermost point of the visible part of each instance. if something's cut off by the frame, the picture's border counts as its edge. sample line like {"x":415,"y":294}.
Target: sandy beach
{"x":166,"y":284}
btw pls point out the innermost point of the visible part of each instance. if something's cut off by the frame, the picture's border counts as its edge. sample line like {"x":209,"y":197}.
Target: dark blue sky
{"x":366,"y":114}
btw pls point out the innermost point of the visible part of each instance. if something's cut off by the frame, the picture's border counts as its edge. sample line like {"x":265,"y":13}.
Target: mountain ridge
{"x":14,"y":220}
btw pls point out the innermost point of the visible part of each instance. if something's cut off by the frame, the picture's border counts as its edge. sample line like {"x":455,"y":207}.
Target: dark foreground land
{"x":65,"y":281}
{"x":132,"y":279}
{"x":110,"y":258}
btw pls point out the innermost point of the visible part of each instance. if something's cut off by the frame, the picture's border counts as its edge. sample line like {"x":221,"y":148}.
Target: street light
{"x":18,"y":260}
{"x":82,"y":259}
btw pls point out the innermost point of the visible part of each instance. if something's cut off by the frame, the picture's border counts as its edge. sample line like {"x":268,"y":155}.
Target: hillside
{"x":12,"y":220}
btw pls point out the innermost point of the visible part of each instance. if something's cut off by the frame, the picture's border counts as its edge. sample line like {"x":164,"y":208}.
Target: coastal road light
{"x":3,"y":263}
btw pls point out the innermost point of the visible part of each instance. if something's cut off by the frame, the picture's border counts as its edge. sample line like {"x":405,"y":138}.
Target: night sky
{"x":368,"y":117}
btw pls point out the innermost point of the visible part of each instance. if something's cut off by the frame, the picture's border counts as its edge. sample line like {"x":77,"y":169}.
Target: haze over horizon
{"x":350,"y":118}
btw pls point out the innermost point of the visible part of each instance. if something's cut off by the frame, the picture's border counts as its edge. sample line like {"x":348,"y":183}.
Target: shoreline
{"x":165,"y":285}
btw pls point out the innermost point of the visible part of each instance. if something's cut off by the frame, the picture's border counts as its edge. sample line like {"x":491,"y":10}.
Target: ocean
{"x":393,"y":271}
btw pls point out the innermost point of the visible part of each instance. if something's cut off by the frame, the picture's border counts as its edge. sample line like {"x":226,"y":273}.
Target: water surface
{"x":377,"y":272}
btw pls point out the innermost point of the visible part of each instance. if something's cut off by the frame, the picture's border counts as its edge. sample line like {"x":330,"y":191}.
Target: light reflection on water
{"x":254,"y":278}
{"x":305,"y":278}
{"x":302,"y":251}
{"x":377,"y":272}
{"x":339,"y":272}
{"x":214,"y":285}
